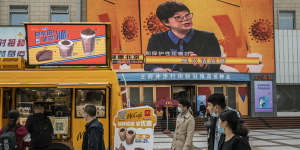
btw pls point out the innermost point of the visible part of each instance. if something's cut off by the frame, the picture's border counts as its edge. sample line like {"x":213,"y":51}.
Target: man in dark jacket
{"x":40,"y":128}
{"x":93,"y":136}
{"x":216,"y":105}
{"x":181,"y":40}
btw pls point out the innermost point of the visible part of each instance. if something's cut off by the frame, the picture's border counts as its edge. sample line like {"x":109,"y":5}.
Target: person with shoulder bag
{"x":12,"y":135}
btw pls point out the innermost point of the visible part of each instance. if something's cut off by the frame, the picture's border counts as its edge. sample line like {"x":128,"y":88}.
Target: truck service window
{"x":91,"y":96}
{"x":57,"y":104}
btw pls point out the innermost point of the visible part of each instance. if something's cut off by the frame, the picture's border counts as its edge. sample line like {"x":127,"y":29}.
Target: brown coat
{"x":184,"y":132}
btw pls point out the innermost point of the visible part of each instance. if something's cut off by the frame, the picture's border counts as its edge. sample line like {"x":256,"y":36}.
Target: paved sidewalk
{"x":281,"y":139}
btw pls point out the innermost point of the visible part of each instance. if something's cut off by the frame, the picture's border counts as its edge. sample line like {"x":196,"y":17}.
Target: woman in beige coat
{"x":185,"y":127}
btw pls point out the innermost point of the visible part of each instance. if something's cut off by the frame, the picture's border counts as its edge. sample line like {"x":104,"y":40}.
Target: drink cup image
{"x":88,"y":41}
{"x":130,"y":136}
{"x":122,"y":134}
{"x":65,"y":48}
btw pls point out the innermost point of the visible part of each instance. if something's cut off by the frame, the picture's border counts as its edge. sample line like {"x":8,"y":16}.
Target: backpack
{"x":8,"y":140}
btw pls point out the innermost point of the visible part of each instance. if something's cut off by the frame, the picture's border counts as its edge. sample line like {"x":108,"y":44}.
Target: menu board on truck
{"x":134,"y":128}
{"x":67,"y":44}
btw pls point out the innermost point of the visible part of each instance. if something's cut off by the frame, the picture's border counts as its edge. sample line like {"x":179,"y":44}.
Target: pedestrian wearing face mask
{"x":215,"y":106}
{"x":93,"y":135}
{"x":185,"y":127}
{"x":235,"y":135}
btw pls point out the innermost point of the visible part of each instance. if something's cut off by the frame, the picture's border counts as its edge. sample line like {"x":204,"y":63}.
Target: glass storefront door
{"x":236,"y":95}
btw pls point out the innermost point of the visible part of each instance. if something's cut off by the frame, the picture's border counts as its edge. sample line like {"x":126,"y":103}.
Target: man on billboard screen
{"x":181,"y":40}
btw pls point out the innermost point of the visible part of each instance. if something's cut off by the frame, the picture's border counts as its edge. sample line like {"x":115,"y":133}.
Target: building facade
{"x":17,"y":11}
{"x":287,"y":51}
{"x":131,"y":30}
{"x":287,"y":14}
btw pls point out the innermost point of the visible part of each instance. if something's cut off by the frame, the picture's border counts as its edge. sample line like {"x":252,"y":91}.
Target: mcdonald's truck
{"x":68,"y":65}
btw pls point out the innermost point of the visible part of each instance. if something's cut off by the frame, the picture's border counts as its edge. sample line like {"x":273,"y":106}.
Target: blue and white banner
{"x":178,"y":76}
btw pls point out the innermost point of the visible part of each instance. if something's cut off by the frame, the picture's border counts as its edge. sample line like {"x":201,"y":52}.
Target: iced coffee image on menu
{"x":88,"y":41}
{"x":122,"y":134}
{"x":130,"y":136}
{"x":65,"y":48}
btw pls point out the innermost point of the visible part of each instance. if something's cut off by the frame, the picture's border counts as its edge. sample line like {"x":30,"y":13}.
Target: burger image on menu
{"x":88,"y":41}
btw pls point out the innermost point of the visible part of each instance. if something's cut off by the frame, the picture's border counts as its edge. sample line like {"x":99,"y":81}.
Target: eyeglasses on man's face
{"x":182,"y":18}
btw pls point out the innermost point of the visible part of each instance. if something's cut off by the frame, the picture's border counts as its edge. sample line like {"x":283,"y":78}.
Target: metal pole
{"x":127,"y":98}
{"x":167,"y":118}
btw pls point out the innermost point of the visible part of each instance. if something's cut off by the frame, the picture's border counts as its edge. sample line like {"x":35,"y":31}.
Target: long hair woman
{"x":235,"y":134}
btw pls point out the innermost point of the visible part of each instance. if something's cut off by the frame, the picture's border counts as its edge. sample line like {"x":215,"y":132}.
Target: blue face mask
{"x":215,"y":115}
{"x":179,"y":109}
{"x":220,"y":130}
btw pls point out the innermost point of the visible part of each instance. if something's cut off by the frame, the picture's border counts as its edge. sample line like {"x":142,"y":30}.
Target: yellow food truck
{"x":68,"y":65}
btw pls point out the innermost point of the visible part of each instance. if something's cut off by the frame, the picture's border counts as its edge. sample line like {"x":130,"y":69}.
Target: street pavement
{"x":279,"y":139}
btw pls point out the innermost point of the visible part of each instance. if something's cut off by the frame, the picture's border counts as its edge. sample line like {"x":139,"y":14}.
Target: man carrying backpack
{"x":11,"y":136}
{"x":40,"y":128}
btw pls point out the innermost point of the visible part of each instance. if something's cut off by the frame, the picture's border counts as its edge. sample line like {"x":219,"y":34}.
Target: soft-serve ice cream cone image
{"x":88,"y":41}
